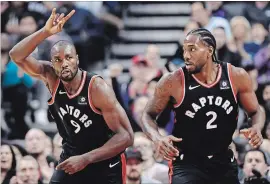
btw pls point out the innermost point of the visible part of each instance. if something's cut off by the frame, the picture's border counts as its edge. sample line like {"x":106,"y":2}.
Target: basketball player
{"x":205,"y":96}
{"x":94,"y":127}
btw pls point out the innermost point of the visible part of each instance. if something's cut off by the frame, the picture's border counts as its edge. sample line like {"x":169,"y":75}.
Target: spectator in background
{"x":28,"y":25}
{"x":86,"y":32}
{"x":110,"y":12}
{"x":177,"y":60}
{"x":217,"y":10}
{"x":35,"y":140}
{"x":5,"y":47}
{"x":203,"y":17}
{"x":15,"y":86}
{"x":255,"y":160}
{"x":27,"y":171}
{"x":134,"y":168}
{"x":57,"y":146}
{"x":139,"y":104}
{"x":223,"y":52}
{"x":259,"y":34}
{"x":266,"y":101}
{"x":244,"y":45}
{"x":253,"y":73}
{"x":151,"y":168}
{"x":258,"y":11}
{"x":8,"y":163}
{"x":267,"y":131}
{"x":262,"y":63}
{"x":11,"y":15}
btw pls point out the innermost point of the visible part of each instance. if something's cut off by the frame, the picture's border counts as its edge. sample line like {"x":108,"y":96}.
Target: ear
{"x":77,"y":59}
{"x":211,"y":50}
{"x":52,"y":64}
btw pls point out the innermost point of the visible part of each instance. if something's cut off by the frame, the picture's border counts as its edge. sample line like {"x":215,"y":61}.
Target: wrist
{"x":87,"y":158}
{"x":45,"y":33}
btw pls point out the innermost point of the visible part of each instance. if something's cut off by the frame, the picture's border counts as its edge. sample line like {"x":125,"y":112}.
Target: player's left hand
{"x":254,"y":136}
{"x":73,"y":164}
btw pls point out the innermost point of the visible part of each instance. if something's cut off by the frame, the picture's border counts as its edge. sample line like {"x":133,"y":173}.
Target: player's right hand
{"x":56,"y":22}
{"x":165,"y":147}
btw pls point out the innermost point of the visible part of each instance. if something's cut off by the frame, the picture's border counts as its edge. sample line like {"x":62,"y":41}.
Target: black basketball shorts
{"x":112,"y":172}
{"x":214,"y":169}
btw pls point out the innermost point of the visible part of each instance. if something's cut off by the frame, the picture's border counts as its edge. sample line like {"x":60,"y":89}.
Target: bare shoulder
{"x":102,"y":94}
{"x":168,"y":83}
{"x":240,"y":78}
{"x":99,"y":85}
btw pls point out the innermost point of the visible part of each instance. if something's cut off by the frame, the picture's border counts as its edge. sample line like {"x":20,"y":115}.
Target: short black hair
{"x":207,"y":37}
{"x":63,"y":43}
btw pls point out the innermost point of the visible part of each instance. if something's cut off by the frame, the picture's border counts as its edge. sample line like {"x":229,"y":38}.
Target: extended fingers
{"x":68,"y":16}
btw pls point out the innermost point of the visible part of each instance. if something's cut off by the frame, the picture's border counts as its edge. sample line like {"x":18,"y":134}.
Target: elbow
{"x":14,"y":56}
{"x":129,"y":139}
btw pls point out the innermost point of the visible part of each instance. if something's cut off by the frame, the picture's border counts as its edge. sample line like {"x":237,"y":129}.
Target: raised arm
{"x":104,"y":99}
{"x":21,"y":52}
{"x":248,"y":99}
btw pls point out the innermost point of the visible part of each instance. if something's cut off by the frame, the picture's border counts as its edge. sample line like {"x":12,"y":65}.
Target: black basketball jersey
{"x":206,"y":116}
{"x":79,"y":123}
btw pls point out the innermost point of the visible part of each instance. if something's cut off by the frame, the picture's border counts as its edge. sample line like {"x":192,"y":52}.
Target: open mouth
{"x":65,"y":71}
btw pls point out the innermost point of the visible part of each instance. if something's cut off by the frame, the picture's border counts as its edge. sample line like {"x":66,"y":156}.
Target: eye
{"x":56,"y":60}
{"x":192,"y":49}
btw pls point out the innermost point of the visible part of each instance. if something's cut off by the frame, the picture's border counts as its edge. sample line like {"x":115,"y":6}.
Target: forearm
{"x":258,"y":119}
{"x":150,"y":127}
{"x":118,"y":143}
{"x":25,"y":47}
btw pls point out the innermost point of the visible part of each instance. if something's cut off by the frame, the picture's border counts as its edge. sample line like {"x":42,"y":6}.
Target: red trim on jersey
{"x":54,"y":92}
{"x":89,"y":96}
{"x":170,"y":171}
{"x":183,"y":88}
{"x":80,"y":88}
{"x":229,"y":67}
{"x":211,"y":85}
{"x":124,"y":165}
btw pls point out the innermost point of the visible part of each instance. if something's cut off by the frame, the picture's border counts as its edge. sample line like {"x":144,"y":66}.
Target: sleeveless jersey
{"x":207,"y":115}
{"x":79,"y":123}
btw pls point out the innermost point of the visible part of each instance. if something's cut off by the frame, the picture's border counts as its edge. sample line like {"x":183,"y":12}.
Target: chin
{"x":194,"y":71}
{"x":67,"y":79}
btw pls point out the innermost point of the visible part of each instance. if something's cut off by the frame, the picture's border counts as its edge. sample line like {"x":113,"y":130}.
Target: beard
{"x":69,"y":78}
{"x":196,"y":70}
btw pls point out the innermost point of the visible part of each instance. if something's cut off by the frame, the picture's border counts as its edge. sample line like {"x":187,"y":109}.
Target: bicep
{"x":115,"y":118}
{"x":158,"y":102}
{"x":246,"y":93}
{"x":33,"y":67}
{"x":113,"y":113}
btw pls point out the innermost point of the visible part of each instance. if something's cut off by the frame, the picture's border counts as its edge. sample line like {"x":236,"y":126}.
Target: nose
{"x":64,"y":64}
{"x":186,"y":55}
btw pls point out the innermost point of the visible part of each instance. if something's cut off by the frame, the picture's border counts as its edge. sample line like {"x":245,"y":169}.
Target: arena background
{"x":131,"y":44}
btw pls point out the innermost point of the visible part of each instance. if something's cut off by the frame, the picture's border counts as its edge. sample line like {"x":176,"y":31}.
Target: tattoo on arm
{"x":161,"y":97}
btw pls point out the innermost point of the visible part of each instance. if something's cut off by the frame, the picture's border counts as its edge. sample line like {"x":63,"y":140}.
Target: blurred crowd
{"x":29,"y":155}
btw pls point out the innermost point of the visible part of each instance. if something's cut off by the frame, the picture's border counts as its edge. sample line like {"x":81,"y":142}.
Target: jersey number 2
{"x":209,"y":123}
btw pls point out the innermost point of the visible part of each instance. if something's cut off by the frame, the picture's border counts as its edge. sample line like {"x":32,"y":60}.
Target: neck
{"x":208,"y":74}
{"x":134,"y":182}
{"x":148,"y":164}
{"x":73,"y":85}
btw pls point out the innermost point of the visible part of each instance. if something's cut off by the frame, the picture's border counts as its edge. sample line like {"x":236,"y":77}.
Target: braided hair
{"x":207,"y":37}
